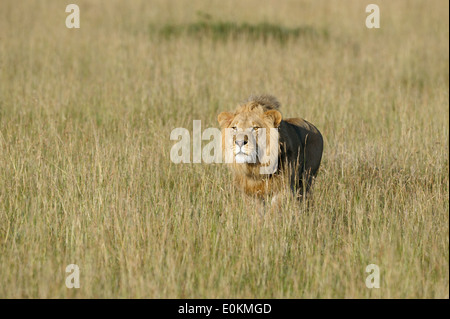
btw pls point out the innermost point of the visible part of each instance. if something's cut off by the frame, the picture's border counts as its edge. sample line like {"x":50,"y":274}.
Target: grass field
{"x":86,"y":178}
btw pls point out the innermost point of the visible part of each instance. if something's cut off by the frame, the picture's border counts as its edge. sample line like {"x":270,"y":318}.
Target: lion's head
{"x":246,"y":133}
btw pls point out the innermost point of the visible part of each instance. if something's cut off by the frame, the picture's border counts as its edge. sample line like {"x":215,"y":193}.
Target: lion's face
{"x":246,"y":133}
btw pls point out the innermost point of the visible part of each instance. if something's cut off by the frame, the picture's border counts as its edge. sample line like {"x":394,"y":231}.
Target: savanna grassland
{"x":85,"y":170}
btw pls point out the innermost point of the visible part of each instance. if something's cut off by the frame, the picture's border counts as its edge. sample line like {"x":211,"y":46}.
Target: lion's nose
{"x":241,"y":143}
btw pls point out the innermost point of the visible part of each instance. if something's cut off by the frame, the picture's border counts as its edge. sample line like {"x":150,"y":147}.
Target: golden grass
{"x":85,"y":174}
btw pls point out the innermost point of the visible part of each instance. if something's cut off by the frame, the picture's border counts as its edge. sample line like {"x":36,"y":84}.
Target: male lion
{"x":299,"y":148}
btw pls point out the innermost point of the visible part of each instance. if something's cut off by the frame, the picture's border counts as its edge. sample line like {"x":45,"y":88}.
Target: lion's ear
{"x":273,"y":116}
{"x":225,"y":119}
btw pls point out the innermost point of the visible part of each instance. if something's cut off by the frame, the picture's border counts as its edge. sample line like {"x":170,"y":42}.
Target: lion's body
{"x":299,"y":148}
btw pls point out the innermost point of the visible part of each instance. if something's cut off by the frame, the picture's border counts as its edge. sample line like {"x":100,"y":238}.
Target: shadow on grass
{"x":221,"y":30}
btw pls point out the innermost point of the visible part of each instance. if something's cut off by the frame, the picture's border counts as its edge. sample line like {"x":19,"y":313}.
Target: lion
{"x":298,"y":151}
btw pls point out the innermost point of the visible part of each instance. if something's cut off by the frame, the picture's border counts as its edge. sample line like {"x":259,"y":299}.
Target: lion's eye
{"x":255,"y":128}
{"x":234,"y":128}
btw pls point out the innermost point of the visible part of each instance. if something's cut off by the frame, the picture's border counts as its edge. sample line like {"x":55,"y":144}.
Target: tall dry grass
{"x":85,"y":174}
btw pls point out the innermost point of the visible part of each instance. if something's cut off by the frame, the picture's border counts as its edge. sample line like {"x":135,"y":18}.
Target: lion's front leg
{"x":261,"y":207}
{"x":276,"y":202}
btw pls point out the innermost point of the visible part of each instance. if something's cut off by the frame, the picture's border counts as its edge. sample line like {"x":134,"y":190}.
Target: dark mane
{"x":268,"y":102}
